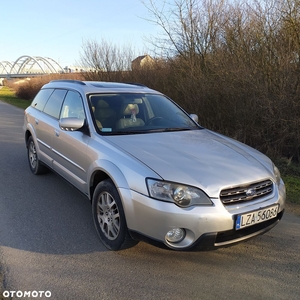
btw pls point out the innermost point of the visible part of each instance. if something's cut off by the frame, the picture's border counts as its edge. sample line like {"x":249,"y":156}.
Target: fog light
{"x":175,"y":235}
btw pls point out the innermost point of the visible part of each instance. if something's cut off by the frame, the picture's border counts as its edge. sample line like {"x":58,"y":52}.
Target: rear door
{"x":48,"y":105}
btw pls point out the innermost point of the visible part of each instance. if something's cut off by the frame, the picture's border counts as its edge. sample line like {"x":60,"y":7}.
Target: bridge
{"x":29,"y":66}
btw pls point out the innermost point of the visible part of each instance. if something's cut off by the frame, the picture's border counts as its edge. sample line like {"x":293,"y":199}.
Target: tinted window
{"x":41,"y":98}
{"x":72,"y":106}
{"x":54,"y":103}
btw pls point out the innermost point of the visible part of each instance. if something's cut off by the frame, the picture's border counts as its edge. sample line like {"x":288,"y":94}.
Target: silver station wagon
{"x":150,"y":170}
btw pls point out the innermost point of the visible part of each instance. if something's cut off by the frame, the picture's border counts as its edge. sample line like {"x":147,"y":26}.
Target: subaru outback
{"x":149,"y":169}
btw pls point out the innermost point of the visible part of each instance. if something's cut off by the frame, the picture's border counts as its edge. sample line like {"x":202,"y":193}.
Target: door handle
{"x":56,"y":132}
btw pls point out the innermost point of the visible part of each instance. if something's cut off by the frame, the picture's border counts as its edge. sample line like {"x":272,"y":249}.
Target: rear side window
{"x":54,"y":103}
{"x":41,"y":98}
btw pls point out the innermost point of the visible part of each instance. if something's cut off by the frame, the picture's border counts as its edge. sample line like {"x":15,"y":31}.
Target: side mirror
{"x":194,"y":117}
{"x":71,"y":124}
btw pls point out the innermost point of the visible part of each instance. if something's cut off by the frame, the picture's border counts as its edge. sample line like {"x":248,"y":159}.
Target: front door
{"x":69,"y":147}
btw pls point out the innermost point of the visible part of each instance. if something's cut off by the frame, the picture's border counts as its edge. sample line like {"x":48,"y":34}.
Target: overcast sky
{"x":58,"y":28}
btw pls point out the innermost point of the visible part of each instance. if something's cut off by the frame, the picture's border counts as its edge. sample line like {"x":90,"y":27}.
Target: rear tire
{"x":109,"y":217}
{"x":34,"y":163}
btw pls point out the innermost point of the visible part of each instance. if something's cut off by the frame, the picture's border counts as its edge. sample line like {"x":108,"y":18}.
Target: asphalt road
{"x":48,"y":243}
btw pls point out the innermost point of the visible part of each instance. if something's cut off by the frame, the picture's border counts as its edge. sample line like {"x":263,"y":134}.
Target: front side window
{"x":54,"y":103}
{"x":73,"y":106}
{"x":123,"y":113}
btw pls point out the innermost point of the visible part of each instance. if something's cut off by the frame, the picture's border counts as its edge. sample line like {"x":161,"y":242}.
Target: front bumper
{"x":205,"y":226}
{"x":222,"y":239}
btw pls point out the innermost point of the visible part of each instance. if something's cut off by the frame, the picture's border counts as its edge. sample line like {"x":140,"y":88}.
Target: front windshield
{"x":137,"y":113}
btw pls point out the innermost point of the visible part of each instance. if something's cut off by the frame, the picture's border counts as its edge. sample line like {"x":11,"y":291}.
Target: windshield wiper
{"x":124,"y":132}
{"x":175,"y":129}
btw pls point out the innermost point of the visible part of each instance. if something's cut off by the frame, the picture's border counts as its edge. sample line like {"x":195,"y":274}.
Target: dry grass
{"x":27,"y":88}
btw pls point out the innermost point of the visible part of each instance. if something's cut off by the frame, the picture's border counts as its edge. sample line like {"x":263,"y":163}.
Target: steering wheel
{"x":152,"y":120}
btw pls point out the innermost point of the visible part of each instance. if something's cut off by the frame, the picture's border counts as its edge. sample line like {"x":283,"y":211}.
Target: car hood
{"x":199,"y":158}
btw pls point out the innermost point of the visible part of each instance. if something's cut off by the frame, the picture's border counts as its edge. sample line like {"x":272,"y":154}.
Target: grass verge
{"x":8,"y":95}
{"x":292,"y":185}
{"x":290,"y":173}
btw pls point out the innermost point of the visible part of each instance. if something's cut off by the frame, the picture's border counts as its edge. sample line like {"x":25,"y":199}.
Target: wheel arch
{"x":28,"y":132}
{"x":108,"y":170}
{"x":27,"y":135}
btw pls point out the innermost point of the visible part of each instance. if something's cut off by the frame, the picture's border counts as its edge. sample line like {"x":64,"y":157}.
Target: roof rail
{"x":136,"y":83}
{"x":69,"y":80}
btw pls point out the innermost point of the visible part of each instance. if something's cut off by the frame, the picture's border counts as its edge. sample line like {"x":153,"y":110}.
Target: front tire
{"x":109,"y":217}
{"x":34,"y":164}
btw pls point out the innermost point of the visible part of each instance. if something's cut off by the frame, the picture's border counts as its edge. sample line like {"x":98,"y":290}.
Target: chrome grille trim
{"x":246,"y":193}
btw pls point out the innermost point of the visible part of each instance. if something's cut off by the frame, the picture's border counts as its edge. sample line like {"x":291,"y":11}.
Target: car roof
{"x":100,"y":86}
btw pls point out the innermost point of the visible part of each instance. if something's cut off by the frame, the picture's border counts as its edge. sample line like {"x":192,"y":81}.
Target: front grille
{"x":246,"y":193}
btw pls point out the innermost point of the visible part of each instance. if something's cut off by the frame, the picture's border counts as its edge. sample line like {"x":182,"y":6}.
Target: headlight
{"x":182,"y":195}
{"x":277,"y":174}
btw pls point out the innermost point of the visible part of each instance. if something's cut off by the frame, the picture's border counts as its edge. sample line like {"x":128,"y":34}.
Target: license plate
{"x":255,"y":217}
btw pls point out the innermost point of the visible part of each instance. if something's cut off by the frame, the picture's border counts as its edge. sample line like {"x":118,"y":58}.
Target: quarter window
{"x":41,"y":98}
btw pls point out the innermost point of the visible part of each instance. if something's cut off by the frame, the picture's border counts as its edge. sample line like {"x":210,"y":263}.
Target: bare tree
{"x":237,"y":63}
{"x":105,"y":57}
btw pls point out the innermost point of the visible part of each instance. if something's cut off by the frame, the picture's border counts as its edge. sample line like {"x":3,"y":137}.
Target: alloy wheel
{"x":108,"y":216}
{"x":32,"y":155}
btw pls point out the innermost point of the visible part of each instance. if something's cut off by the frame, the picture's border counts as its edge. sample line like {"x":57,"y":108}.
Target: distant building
{"x":142,"y":61}
{"x":76,"y":69}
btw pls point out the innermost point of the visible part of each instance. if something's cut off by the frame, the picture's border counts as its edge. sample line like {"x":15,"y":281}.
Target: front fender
{"x":109,"y":168}
{"x":119,"y":180}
